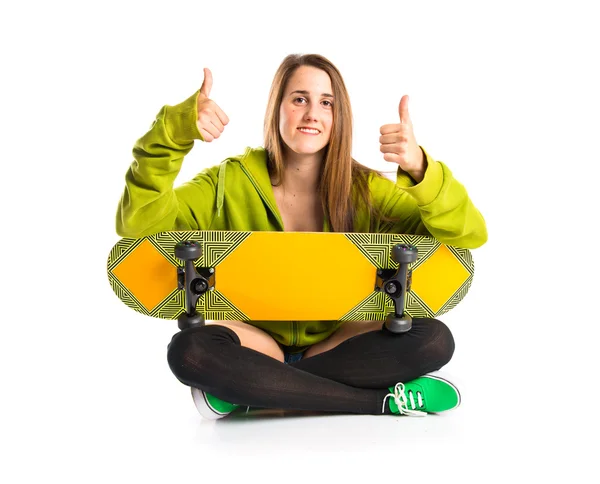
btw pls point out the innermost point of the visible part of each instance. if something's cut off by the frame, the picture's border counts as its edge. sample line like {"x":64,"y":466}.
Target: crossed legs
{"x":349,"y":372}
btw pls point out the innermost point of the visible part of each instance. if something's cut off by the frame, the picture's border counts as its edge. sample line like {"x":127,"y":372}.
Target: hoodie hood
{"x":254,"y":164}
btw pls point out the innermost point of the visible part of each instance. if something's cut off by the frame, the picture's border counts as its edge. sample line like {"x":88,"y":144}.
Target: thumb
{"x":403,"y":110}
{"x":207,"y":84}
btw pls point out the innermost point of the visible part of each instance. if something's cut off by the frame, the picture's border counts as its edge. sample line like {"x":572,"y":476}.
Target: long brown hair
{"x":344,"y":181}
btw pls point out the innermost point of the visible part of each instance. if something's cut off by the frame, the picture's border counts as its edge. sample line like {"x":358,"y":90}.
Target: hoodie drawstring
{"x":221,"y":187}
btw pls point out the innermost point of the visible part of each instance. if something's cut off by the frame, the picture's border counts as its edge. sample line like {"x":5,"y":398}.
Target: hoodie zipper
{"x":274,"y":210}
{"x":294,"y":337}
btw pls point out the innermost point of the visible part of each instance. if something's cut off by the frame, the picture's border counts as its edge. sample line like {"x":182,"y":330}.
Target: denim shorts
{"x":291,"y":357}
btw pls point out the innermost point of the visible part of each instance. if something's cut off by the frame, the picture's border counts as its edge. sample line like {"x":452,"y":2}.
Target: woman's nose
{"x":310,"y":114}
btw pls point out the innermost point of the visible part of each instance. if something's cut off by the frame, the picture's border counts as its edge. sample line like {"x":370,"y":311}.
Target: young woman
{"x":304,"y":179}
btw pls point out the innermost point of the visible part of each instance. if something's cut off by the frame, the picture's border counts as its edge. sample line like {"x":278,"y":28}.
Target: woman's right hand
{"x":211,"y":118}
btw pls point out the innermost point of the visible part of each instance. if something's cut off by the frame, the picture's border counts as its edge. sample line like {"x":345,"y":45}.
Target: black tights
{"x":353,"y":377}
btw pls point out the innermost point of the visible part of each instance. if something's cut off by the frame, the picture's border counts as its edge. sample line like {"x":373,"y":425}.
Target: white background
{"x":505,"y":93}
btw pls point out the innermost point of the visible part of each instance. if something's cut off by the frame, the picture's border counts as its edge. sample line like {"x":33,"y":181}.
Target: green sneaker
{"x":211,"y":407}
{"x":430,"y":393}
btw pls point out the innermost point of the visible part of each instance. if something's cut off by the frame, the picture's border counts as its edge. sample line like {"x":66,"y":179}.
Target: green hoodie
{"x":237,"y":195}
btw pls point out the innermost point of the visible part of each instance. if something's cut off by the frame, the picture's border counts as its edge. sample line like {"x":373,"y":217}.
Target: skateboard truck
{"x":194,"y":282}
{"x":396,"y":283}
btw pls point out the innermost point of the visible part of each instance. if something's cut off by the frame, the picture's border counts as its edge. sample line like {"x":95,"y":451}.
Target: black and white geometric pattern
{"x":218,"y":245}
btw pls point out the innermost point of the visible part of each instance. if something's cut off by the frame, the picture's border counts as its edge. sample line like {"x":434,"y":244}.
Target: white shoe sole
{"x":204,"y":407}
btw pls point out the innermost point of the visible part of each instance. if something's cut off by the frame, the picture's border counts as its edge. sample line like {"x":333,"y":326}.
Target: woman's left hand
{"x":399,"y":145}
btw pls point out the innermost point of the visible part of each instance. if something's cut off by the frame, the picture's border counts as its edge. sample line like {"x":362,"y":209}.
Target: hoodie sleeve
{"x":149,"y":203}
{"x":438,"y":206}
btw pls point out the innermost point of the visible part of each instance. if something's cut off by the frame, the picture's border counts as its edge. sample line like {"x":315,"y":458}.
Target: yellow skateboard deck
{"x":283,"y":276}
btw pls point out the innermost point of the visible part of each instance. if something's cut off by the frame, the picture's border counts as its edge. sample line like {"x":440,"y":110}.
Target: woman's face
{"x":306,"y":111}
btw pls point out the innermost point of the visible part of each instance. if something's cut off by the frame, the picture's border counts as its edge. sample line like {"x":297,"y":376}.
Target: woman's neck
{"x":302,"y":173}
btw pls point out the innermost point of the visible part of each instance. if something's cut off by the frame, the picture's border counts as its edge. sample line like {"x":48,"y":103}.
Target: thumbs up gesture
{"x":399,"y":145}
{"x":211,"y":118}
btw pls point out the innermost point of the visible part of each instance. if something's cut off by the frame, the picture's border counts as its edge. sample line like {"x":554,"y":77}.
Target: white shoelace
{"x":402,"y":401}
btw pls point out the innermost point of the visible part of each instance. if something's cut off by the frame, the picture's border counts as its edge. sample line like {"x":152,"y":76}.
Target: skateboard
{"x":191,"y":276}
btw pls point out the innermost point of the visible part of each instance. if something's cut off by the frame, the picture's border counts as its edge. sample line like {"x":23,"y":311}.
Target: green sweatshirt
{"x":237,"y":195}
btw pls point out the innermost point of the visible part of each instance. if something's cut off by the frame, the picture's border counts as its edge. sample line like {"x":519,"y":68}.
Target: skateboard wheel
{"x":188,"y":250}
{"x":404,"y":253}
{"x":400,"y":324}
{"x":185,"y":321}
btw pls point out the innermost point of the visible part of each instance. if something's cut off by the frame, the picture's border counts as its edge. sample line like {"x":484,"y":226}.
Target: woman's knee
{"x":440,"y":342}
{"x":193,"y":351}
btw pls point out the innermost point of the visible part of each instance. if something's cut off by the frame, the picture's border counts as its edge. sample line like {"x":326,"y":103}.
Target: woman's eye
{"x":328,"y":103}
{"x":299,"y":99}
